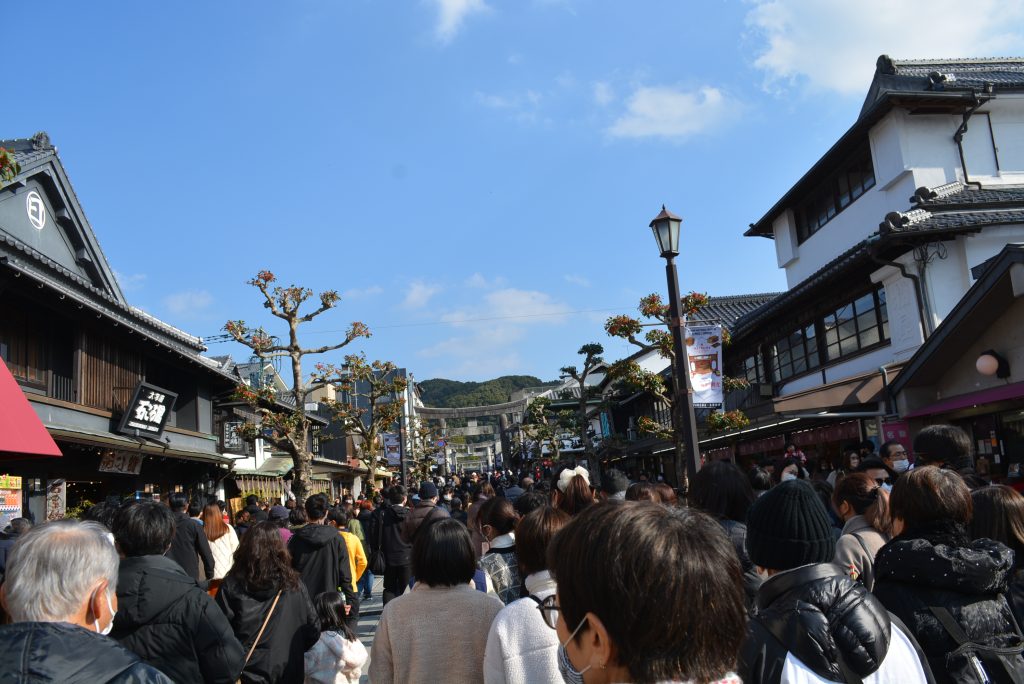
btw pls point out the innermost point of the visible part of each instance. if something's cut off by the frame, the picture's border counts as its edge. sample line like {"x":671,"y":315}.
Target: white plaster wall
{"x":905,"y":332}
{"x":946,"y":280}
{"x":784,"y":228}
{"x":986,"y":244}
{"x":1007,"y":118}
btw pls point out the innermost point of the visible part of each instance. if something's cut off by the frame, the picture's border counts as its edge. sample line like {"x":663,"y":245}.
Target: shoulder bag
{"x":266,"y":620}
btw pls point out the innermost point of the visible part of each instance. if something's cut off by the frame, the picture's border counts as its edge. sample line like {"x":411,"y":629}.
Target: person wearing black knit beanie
{"x":810,"y":621}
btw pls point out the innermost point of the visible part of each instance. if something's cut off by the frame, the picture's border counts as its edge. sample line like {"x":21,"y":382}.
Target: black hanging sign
{"x":148,"y":413}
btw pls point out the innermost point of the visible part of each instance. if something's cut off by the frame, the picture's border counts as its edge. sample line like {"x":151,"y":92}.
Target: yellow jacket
{"x":356,"y":556}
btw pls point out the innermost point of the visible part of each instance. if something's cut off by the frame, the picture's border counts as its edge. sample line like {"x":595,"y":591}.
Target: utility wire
{"x":213,"y":339}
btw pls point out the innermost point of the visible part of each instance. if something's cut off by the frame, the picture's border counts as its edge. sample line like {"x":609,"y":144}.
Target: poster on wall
{"x":704,"y":352}
{"x":393,"y":449}
{"x":10,"y":499}
{"x":56,"y":499}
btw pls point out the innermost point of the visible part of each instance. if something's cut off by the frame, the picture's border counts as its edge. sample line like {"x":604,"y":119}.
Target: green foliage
{"x":442,"y":393}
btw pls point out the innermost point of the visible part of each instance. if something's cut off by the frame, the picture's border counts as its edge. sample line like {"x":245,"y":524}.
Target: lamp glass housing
{"x":666,"y":232}
{"x":987,"y":364}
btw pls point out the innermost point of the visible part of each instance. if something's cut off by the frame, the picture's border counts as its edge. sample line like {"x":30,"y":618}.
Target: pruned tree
{"x":592,"y":359}
{"x":371,"y":396}
{"x":282,"y":419}
{"x":543,"y":425}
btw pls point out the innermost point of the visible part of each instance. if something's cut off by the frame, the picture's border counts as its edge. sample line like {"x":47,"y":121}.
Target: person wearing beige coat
{"x":864,"y":507}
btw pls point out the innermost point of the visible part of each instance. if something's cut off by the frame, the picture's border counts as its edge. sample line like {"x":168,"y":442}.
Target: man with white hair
{"x":59,"y":592}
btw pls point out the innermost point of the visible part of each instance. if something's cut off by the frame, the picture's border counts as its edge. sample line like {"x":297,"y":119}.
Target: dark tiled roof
{"x":727,"y":310}
{"x":956,"y":194}
{"x":851,"y":258}
{"x":961,"y":73}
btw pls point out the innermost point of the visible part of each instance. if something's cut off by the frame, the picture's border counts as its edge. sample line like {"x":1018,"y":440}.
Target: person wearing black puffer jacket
{"x":319,"y":553}
{"x":810,"y":622}
{"x":947,"y":589}
{"x":163,"y":615}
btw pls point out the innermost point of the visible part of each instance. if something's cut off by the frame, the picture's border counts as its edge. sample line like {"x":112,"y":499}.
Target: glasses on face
{"x":883,"y":481}
{"x":549,"y":611}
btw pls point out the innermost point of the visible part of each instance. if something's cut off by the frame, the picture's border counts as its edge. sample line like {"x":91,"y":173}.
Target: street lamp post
{"x":684,"y":422}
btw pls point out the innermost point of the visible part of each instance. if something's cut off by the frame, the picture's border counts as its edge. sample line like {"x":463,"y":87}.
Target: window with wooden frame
{"x":796,"y":353}
{"x":836,"y":193}
{"x":857,"y":325}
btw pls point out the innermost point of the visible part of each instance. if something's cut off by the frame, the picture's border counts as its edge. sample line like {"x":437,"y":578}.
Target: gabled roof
{"x":977,"y":310}
{"x":905,"y":84}
{"x":38,"y":158}
{"x":939,"y":213}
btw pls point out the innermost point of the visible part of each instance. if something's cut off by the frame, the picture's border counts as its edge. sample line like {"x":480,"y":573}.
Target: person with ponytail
{"x":864,"y":507}
{"x":572,"y":490}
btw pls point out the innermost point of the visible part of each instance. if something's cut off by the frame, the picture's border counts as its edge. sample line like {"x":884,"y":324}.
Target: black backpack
{"x":974,"y":662}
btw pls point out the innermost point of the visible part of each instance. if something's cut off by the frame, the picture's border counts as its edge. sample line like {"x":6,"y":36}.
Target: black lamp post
{"x":684,"y":422}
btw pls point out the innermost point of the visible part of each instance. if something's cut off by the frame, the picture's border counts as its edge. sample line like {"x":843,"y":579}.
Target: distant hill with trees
{"x":441,"y":393}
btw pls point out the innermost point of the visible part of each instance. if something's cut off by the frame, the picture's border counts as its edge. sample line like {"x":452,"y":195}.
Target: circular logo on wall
{"x":36,"y":210}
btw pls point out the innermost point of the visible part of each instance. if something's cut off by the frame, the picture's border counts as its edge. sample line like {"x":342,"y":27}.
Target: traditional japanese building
{"x":880,"y":240}
{"x":128,"y":399}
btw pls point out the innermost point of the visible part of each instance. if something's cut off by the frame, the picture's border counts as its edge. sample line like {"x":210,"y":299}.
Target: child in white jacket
{"x":338,"y":657}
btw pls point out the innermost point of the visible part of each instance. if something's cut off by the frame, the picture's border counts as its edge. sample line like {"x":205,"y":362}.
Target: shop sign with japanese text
{"x":148,"y":413}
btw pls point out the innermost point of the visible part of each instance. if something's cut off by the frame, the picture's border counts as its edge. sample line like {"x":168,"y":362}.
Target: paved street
{"x":368,"y":617}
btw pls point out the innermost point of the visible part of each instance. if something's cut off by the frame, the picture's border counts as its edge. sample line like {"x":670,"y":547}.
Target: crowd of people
{"x":891,"y":572}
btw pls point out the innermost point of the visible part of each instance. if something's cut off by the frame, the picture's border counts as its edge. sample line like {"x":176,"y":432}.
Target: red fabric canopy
{"x":21,"y":432}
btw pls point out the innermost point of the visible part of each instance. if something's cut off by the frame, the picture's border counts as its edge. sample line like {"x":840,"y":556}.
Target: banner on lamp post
{"x":393,"y":448}
{"x":704,"y":357}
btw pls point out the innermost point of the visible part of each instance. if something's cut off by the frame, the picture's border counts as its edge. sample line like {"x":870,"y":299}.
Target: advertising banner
{"x":10,"y":499}
{"x":56,"y":499}
{"x":704,"y":352}
{"x":393,"y":449}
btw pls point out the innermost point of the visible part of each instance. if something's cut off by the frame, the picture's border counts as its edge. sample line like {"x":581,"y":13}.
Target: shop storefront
{"x":970,"y":372}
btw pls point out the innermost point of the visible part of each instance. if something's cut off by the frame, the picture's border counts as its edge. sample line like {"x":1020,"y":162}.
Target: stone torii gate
{"x":503,"y":411}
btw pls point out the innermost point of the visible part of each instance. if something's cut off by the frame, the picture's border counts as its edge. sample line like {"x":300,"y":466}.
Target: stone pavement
{"x":369,"y":616}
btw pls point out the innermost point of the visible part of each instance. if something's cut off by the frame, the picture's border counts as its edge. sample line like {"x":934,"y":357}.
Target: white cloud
{"x":576,"y":280}
{"x":481,"y":282}
{"x":603,"y":93}
{"x":419,"y":293}
{"x":130,"y":283}
{"x":833,"y":45}
{"x":491,"y":331}
{"x":524,"y":106}
{"x":189,"y":302}
{"x":452,"y":14}
{"x":665,"y":112}
{"x":525,"y":306}
{"x":362,"y":292}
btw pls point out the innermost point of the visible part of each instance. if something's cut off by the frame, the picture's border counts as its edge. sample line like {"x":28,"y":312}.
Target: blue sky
{"x":474,"y":176}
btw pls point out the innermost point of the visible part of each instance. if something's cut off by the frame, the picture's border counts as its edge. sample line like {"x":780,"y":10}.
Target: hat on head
{"x":279,"y":513}
{"x":787,"y":527}
{"x":428,"y":490}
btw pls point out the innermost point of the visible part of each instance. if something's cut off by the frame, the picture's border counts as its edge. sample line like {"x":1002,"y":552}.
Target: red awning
{"x":21,"y":432}
{"x":988,"y":396}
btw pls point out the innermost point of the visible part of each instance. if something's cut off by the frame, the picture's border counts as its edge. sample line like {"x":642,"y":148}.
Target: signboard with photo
{"x":704,"y":353}
{"x":123,"y":462}
{"x":148,"y":411}
{"x":393,"y":449}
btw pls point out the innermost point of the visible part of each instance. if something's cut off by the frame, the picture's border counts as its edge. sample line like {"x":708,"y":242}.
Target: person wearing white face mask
{"x":59,"y":592}
{"x":791,"y":470}
{"x":894,"y":455}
